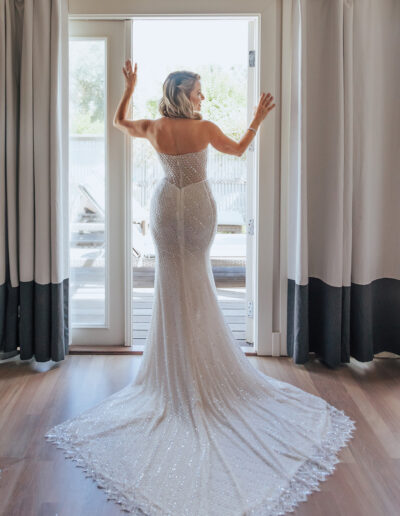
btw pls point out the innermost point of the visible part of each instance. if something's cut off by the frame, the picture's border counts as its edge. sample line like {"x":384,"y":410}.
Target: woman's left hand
{"x":130,"y":76}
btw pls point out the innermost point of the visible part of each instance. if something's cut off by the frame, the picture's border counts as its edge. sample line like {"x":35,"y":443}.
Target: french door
{"x":97,"y":182}
{"x":101,"y":201}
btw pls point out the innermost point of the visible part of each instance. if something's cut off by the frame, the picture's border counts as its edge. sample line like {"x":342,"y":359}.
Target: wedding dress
{"x":200,"y":431}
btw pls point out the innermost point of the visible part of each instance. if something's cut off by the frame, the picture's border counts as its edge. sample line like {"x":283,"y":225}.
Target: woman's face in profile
{"x":196,"y":96}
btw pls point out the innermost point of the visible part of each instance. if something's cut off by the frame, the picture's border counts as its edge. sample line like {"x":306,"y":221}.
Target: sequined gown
{"x":200,"y":431}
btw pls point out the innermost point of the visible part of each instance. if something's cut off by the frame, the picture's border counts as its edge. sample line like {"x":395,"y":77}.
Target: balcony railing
{"x":227,"y":174}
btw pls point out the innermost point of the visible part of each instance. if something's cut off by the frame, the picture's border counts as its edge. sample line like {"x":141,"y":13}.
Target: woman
{"x":199,"y":431}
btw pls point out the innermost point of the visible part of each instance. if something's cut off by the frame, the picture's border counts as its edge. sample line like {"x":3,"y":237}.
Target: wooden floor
{"x":37,"y":479}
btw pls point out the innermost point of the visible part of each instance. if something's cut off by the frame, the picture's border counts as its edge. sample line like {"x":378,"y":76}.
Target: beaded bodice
{"x":184,"y":169}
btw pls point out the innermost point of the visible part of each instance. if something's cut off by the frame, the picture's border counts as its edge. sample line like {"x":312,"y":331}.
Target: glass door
{"x":112,"y":176}
{"x":227,"y":71}
{"x":96,"y":182}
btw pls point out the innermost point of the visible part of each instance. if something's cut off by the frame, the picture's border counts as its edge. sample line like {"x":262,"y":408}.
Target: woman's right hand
{"x":130,"y":75}
{"x":264,"y":107}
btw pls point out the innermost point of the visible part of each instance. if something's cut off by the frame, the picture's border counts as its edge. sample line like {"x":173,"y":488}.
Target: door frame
{"x":268,"y":297}
{"x":252,"y":97}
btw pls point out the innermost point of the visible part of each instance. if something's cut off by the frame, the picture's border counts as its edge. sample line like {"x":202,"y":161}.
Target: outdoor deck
{"x":230,"y":282}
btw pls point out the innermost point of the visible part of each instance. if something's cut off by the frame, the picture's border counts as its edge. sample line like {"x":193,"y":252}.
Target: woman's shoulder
{"x":168,"y":119}
{"x":166,"y":122}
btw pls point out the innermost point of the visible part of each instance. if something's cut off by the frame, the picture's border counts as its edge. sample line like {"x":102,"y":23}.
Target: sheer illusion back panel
{"x":200,"y":431}
{"x":184,"y":169}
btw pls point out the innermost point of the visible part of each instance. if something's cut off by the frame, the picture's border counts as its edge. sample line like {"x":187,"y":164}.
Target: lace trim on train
{"x":313,"y":470}
{"x":305,"y":481}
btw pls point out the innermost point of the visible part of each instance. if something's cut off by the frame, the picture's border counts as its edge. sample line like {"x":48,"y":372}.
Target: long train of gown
{"x":200,"y":431}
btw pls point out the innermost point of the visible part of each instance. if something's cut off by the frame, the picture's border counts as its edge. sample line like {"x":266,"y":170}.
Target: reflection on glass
{"x":87,"y":180}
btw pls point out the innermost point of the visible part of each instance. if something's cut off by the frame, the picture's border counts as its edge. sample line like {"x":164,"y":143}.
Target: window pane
{"x":87,"y":176}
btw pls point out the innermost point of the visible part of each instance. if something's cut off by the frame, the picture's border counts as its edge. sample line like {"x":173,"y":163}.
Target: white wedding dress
{"x":200,"y":431}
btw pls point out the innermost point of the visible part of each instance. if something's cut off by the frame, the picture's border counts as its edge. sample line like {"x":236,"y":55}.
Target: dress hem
{"x":314,"y":470}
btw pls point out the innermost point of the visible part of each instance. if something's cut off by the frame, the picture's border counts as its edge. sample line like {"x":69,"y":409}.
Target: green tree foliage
{"x":224,"y":88}
{"x":225,"y":91}
{"x":86,"y":87}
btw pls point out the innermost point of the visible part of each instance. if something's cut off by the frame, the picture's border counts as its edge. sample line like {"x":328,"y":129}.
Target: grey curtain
{"x":344,"y":193}
{"x":34,"y":314}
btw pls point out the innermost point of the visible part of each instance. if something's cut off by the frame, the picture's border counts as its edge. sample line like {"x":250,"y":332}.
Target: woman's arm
{"x":136,"y":128}
{"x":223,"y":143}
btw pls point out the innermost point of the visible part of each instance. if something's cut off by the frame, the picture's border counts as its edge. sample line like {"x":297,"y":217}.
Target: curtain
{"x":344,"y":181}
{"x":34,"y":312}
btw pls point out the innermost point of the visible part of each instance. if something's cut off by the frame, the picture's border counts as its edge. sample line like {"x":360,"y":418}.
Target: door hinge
{"x":251,"y":145}
{"x":250,"y":309}
{"x":250,"y":227}
{"x":252,"y":58}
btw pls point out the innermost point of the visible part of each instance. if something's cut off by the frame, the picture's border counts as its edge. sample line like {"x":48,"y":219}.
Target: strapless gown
{"x":200,"y":431}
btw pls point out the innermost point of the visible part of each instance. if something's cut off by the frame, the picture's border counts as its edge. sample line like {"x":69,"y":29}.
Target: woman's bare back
{"x":178,"y":135}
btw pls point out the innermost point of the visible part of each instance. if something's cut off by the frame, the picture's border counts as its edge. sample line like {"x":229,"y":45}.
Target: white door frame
{"x":252,"y":97}
{"x":268,"y":301}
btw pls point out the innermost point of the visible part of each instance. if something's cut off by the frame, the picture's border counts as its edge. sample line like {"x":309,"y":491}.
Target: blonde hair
{"x":175,"y":101}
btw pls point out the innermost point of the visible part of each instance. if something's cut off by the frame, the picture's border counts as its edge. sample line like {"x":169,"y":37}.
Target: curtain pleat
{"x":34,"y":256}
{"x":344,"y":181}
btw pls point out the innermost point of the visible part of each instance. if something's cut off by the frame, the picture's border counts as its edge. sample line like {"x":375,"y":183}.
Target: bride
{"x":199,"y":431}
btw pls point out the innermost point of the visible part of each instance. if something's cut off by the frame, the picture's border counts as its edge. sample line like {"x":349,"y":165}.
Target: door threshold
{"x":75,"y":349}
